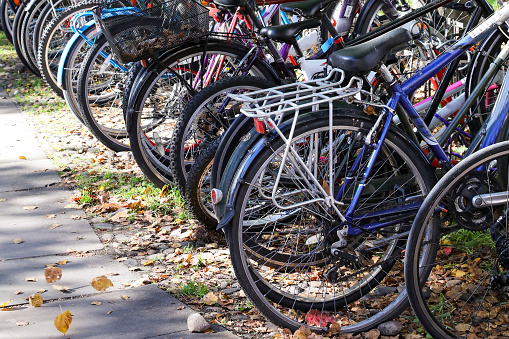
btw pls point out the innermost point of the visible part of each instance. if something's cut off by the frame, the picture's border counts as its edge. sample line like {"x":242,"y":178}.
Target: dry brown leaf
{"x":18,"y":292}
{"x":52,"y":274}
{"x":335,"y":328}
{"x":62,"y":321}
{"x":51,"y":216}
{"x":101,"y":283}
{"x":178,"y":308}
{"x":5,"y":304}
{"x":124,"y":297}
{"x":97,"y":303}
{"x":209,"y":299}
{"x":35,"y":300}
{"x":18,"y":241}
{"x":148,"y":263}
{"x":164,"y":191}
{"x":109,"y":312}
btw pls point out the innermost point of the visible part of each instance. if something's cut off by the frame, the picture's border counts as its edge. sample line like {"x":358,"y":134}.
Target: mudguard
{"x":65,"y":53}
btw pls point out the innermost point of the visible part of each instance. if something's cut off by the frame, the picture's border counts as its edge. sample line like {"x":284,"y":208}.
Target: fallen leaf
{"x":97,"y":303}
{"x":124,"y":297}
{"x":148,"y":263}
{"x":22,"y":157}
{"x":109,"y":312}
{"x":18,"y":292}
{"x":209,"y":299}
{"x":31,"y":279}
{"x":101,"y":283}
{"x":53,"y":226}
{"x":52,"y":274}
{"x":180,"y":308}
{"x":62,"y":321}
{"x":18,"y":241}
{"x":51,"y":216}
{"x":22,"y":323}
{"x":5,"y":304}
{"x":42,"y":290}
{"x":35,"y":300}
{"x":76,"y":217}
{"x":2,"y":200}
{"x":335,"y":328}
{"x":63,"y":289}
{"x":61,"y":262}
{"x":164,"y":191}
{"x":318,"y":318}
{"x":30,"y":208}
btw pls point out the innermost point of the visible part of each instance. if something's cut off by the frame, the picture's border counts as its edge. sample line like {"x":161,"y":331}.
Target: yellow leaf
{"x":446,"y":242}
{"x":101,"y":188}
{"x":22,"y":157}
{"x":101,"y":283}
{"x":148,"y":262}
{"x":5,"y":304}
{"x":209,"y":298}
{"x":164,"y":191}
{"x":189,"y":257}
{"x":52,"y":274}
{"x":457,"y":273}
{"x":146,"y":190}
{"x":35,"y":300}
{"x":62,"y":321}
{"x":62,"y":262}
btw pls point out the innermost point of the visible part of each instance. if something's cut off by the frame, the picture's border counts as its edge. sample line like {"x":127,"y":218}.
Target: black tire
{"x":198,"y":187}
{"x":151,"y":151}
{"x":8,"y":14}
{"x":255,"y":227}
{"x":132,"y":75}
{"x":27,"y":30}
{"x":200,"y":123}
{"x":457,"y":233}
{"x":53,"y":40}
{"x":16,"y":36}
{"x":100,"y":93}
{"x":486,"y":53}
{"x":71,"y":69}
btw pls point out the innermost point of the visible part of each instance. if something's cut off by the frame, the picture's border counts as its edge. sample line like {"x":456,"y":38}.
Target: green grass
{"x":193,"y":289}
{"x":469,"y":241}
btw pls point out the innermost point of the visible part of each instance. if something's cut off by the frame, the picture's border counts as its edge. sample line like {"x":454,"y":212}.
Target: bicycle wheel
{"x":198,"y":189}
{"x":69,"y":69}
{"x":16,"y":36}
{"x":205,"y":117}
{"x":132,"y":75}
{"x":162,"y":93}
{"x":54,"y":39}
{"x":281,"y":254}
{"x":461,"y":289}
{"x":26,"y":33}
{"x":8,"y":13}
{"x":100,"y":93}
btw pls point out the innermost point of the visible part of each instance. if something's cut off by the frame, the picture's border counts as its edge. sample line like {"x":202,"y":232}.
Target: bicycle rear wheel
{"x":281,"y":253}
{"x":460,"y":289}
{"x":8,"y":13}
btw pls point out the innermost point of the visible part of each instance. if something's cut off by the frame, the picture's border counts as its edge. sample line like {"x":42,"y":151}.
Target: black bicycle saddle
{"x":286,"y":33}
{"x":231,"y":3}
{"x":306,"y":8}
{"x":364,"y":57}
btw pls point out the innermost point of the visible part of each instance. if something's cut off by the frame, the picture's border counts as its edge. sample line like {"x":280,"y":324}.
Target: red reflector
{"x":216,"y":196}
{"x":260,"y":128}
{"x":292,"y":60}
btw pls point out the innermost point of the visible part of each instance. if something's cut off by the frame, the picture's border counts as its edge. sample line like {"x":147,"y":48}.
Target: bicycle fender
{"x":65,"y":55}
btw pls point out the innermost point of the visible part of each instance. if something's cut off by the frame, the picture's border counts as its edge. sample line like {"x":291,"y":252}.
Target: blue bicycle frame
{"x":401,"y":94}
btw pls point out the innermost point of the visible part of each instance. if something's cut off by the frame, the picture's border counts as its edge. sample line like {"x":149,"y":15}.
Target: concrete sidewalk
{"x":32,"y":208}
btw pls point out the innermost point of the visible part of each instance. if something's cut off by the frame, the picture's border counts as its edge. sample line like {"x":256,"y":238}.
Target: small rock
{"x":223,"y":285}
{"x":230,"y":290}
{"x":18,"y":241}
{"x":197,"y":324}
{"x":390,"y":328}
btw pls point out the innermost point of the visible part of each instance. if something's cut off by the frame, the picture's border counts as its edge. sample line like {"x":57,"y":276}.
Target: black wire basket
{"x":136,"y":33}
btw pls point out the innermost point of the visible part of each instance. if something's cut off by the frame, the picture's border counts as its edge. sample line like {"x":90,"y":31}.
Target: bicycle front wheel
{"x":460,"y":289}
{"x":280,"y":242}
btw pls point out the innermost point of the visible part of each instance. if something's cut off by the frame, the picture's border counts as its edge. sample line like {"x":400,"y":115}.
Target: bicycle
{"x":330,"y":196}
